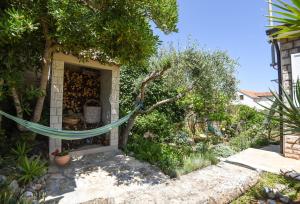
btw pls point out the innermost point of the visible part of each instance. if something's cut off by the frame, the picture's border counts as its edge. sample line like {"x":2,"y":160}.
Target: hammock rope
{"x":68,"y":134}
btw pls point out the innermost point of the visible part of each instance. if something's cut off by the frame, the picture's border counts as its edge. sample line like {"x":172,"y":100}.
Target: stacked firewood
{"x":80,"y":86}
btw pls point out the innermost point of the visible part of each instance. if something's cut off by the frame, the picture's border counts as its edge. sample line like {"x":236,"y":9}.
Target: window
{"x":241,"y":97}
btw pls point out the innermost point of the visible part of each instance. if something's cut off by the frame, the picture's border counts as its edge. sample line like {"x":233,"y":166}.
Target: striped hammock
{"x":68,"y":134}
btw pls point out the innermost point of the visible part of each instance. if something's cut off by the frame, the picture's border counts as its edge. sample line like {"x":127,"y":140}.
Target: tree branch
{"x":165,"y":101}
{"x":93,"y":6}
{"x":151,"y":77}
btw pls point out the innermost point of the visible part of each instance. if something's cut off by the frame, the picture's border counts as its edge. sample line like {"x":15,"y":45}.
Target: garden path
{"x":115,"y":178}
{"x":266,"y":159}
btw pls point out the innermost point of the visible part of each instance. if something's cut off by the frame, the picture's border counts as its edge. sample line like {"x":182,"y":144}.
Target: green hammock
{"x":68,"y":134}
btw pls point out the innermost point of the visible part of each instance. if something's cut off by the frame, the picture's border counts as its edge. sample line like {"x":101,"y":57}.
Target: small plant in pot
{"x":61,"y":158}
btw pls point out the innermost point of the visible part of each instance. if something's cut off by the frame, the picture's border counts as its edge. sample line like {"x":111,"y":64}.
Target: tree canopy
{"x":191,"y":79}
{"x":110,"y":31}
{"x":104,"y":30}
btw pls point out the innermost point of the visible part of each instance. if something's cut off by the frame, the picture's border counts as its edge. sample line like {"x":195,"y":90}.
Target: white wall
{"x":248,"y":101}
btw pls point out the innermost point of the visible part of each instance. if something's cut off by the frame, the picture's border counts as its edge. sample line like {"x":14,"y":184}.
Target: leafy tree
{"x":288,"y":19}
{"x":107,"y":31}
{"x":182,"y":74}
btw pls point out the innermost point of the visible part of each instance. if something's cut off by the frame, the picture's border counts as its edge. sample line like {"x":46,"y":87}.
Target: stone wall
{"x":291,"y":143}
{"x":110,"y":100}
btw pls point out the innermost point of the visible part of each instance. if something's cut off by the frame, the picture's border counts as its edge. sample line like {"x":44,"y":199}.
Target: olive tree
{"x":191,"y":72}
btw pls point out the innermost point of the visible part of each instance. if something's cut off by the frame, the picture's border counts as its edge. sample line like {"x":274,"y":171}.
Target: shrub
{"x":222,"y":150}
{"x":194,"y":162}
{"x":252,"y":137}
{"x":249,"y":116}
{"x":156,"y":123}
{"x":180,"y":138}
{"x":10,"y":198}
{"x":31,"y":169}
{"x":20,"y":151}
{"x":166,"y":157}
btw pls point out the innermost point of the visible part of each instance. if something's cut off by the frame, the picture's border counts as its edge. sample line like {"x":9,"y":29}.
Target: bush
{"x":252,"y":137}
{"x":196,"y":161}
{"x":222,"y":150}
{"x":21,"y":151}
{"x":180,"y":138}
{"x":156,"y":123}
{"x":249,"y":116}
{"x":166,"y":157}
{"x":31,"y":169}
{"x":10,"y":198}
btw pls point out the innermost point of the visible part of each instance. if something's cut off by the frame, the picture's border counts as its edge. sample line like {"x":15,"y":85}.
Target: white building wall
{"x":253,"y":103}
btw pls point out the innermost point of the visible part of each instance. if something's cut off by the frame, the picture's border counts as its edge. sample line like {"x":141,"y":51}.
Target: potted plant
{"x":61,"y":158}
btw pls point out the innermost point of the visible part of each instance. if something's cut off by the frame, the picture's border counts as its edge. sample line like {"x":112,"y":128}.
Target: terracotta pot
{"x":62,"y":160}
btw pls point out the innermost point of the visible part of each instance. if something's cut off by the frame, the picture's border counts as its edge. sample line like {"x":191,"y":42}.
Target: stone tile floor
{"x":102,"y":175}
{"x":113,"y":178}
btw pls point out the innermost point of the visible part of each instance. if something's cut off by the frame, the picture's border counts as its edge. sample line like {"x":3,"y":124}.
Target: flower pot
{"x":62,"y":160}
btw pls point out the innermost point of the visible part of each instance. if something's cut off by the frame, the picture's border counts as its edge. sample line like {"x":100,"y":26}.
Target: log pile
{"x":80,"y":86}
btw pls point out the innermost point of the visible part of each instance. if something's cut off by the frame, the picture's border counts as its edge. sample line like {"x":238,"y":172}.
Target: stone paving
{"x":102,"y":175}
{"x":266,"y":159}
{"x":115,"y":178}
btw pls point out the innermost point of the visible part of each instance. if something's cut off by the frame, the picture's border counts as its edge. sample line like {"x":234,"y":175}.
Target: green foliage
{"x":174,"y":160}
{"x":223,"y":150}
{"x":106,"y":30}
{"x":196,"y":161}
{"x":31,"y":169}
{"x":213,"y":78}
{"x":156,"y":123}
{"x":255,"y":136}
{"x":208,"y":77}
{"x":164,"y":156}
{"x":289,"y":108}
{"x":112,"y":32}
{"x":288,"y":19}
{"x":269,"y":180}
{"x":246,"y":127}
{"x":15,"y":23}
{"x":10,"y":198}
{"x":20,"y":151}
{"x":249,"y":116}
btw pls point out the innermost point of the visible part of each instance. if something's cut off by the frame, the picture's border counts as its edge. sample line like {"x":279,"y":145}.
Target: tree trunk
{"x":126,"y":131}
{"x":44,"y":76}
{"x":18,"y":107}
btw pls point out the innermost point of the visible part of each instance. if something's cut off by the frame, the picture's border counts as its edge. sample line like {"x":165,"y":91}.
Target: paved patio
{"x":266,"y":159}
{"x":102,"y":175}
{"x":115,"y":178}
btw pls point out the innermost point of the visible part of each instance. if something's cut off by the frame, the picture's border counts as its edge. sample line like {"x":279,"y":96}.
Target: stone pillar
{"x":56,"y":102}
{"x":114,"y":101}
{"x":291,"y":143}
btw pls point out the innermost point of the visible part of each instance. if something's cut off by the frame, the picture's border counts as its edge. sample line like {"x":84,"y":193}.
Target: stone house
{"x":288,"y":66}
{"x":72,"y":84}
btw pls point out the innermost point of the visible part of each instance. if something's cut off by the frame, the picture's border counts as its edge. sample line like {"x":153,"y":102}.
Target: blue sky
{"x":236,"y":26}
